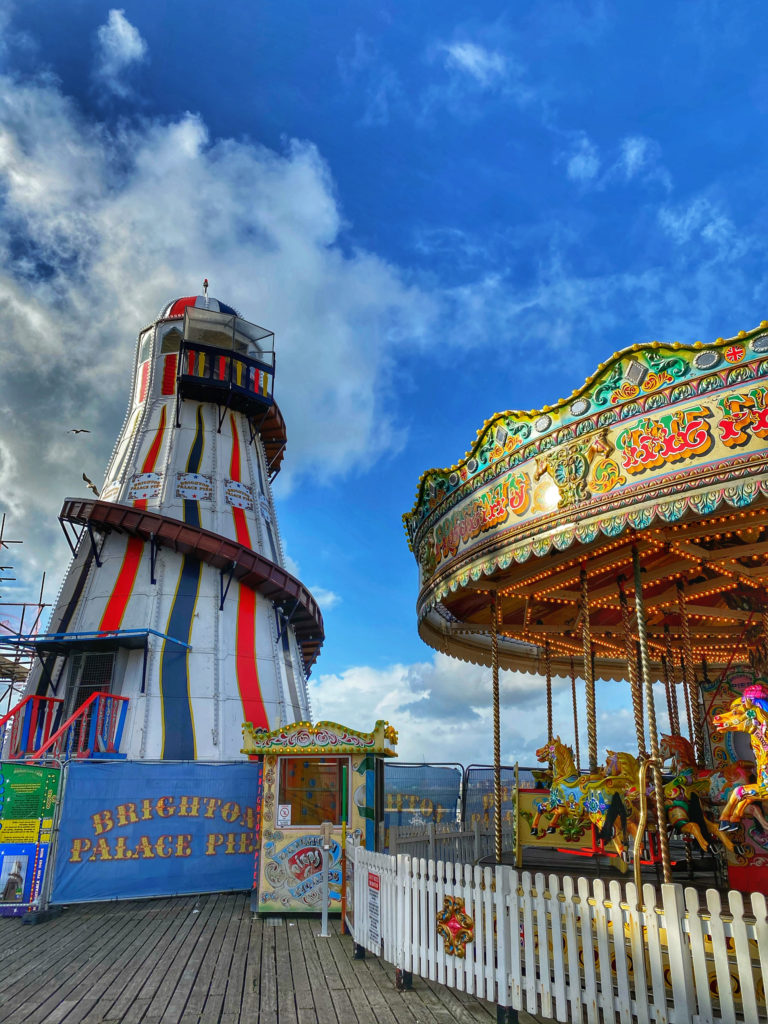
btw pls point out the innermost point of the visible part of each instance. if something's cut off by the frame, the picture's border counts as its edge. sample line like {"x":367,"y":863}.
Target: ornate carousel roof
{"x":663,"y":448}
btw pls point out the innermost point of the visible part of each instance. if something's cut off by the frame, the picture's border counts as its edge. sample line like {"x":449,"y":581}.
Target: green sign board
{"x":27,"y":801}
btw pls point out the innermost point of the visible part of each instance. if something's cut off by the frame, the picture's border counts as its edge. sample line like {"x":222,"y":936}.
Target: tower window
{"x":89,"y":674}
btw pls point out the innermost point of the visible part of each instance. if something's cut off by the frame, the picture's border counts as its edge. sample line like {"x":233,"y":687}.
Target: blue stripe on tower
{"x":178,"y":724}
{"x":192,"y":508}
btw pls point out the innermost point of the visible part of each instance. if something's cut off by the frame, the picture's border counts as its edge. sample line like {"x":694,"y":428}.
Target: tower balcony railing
{"x":224,"y":376}
{"x":95,"y":730}
{"x":28,"y":726}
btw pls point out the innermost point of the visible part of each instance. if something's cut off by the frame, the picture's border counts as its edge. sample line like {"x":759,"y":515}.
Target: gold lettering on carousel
{"x":486,"y":510}
{"x":744,"y":415}
{"x":657,"y":441}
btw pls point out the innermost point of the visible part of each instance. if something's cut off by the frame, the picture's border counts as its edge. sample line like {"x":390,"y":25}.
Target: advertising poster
{"x":27,"y":803}
{"x":130,"y":829}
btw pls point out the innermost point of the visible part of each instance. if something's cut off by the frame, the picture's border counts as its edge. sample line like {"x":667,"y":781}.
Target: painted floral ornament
{"x":455,"y":927}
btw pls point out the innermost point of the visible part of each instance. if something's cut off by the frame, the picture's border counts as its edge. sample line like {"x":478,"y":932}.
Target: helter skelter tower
{"x":177,"y":596}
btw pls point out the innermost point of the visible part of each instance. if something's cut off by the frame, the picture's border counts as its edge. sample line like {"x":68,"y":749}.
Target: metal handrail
{"x":24,"y":722}
{"x":79,"y":717}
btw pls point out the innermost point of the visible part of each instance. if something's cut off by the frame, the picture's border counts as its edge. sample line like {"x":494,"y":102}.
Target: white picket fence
{"x":575,"y":950}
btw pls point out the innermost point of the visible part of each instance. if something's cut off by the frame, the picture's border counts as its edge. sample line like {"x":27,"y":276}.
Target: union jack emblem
{"x":734,"y":354}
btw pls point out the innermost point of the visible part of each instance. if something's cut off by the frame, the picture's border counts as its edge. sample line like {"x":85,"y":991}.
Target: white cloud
{"x":704,"y":220}
{"x":486,"y":67}
{"x":445,"y":705}
{"x":327,"y":599}
{"x":635,"y":154}
{"x":120,"y":45}
{"x":582,"y":162}
{"x":99,"y":228}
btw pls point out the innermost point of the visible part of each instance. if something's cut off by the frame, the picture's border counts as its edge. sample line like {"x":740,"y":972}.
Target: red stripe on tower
{"x":169,"y":374}
{"x":242,"y":532}
{"x":144,"y":381}
{"x":246,"y":669}
{"x":150,"y":460}
{"x":123,"y":588}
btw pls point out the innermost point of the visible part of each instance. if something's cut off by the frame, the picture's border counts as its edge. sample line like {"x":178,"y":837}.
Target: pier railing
{"x":573,"y":950}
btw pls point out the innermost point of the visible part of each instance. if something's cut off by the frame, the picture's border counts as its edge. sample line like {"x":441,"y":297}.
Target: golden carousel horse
{"x":690,"y":784}
{"x":748,"y":713}
{"x":599,"y":797}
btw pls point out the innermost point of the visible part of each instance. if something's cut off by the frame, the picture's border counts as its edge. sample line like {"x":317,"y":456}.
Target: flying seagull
{"x":91,"y":485}
{"x":78,"y":430}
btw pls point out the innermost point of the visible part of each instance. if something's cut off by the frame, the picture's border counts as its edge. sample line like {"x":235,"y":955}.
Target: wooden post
{"x":658,"y":786}
{"x":496,"y":726}
{"x":589,"y":677}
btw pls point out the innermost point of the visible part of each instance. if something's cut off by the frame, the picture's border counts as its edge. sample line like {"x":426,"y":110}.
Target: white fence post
{"x":679,"y":953}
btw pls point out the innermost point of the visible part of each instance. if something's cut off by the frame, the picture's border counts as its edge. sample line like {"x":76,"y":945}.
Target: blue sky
{"x":440,"y":216}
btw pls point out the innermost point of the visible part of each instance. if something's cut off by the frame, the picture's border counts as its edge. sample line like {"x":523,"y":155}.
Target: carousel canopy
{"x":664,"y":450}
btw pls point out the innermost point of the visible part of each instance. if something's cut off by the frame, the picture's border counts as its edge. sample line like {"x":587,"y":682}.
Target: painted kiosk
{"x":313,"y":775}
{"x":622,"y":533}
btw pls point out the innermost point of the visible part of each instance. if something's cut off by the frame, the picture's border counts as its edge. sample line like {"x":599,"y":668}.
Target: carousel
{"x":622,"y":534}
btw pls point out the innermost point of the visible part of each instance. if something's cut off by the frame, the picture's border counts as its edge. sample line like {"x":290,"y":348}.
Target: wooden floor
{"x":205,"y":960}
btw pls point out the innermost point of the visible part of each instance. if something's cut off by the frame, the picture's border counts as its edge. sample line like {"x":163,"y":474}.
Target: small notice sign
{"x":374,"y":909}
{"x":283,"y":814}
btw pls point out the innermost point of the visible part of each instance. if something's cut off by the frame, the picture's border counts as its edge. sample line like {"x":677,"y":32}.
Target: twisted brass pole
{"x":667,"y":689}
{"x":548,"y":660}
{"x":575,"y":716}
{"x":688,"y":716}
{"x":690,"y":679}
{"x":658,"y":786}
{"x":634,"y":682}
{"x":496,"y":726}
{"x":588,"y":674}
{"x":670,"y":667}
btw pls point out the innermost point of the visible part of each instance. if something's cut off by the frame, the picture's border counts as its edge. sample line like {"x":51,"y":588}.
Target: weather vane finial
{"x":205,"y":287}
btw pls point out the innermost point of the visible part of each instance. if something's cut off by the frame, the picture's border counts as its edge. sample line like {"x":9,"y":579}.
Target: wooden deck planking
{"x":160,"y":962}
{"x":134,"y":972}
{"x":39,"y":1001}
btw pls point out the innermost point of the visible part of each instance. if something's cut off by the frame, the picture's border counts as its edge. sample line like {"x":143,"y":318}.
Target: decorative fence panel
{"x":579,"y":951}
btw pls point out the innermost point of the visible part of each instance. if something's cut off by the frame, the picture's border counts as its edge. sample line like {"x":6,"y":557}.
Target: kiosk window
{"x":312,"y":789}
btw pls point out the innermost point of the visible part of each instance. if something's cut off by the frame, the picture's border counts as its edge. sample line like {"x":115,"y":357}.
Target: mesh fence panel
{"x":421,"y":794}
{"x":478,"y":794}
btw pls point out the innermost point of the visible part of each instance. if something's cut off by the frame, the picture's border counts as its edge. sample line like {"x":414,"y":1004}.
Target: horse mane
{"x":681,"y":747}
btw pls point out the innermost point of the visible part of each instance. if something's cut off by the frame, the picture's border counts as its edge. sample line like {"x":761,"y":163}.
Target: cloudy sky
{"x":439,"y":216}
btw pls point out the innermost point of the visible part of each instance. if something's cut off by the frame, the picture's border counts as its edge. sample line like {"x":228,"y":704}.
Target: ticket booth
{"x":314,"y":774}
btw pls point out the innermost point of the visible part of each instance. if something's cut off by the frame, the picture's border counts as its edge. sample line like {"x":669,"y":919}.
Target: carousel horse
{"x":748,"y":713}
{"x":598,"y":797}
{"x":693,"y":790}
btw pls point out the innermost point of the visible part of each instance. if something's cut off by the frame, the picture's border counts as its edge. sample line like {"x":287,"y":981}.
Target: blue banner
{"x":131,"y":829}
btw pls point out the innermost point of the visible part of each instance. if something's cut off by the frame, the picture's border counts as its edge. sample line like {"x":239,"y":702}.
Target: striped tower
{"x":177,"y":596}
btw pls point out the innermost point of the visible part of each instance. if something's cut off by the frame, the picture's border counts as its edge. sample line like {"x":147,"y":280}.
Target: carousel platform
{"x":206,"y":960}
{"x":703,"y":876}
